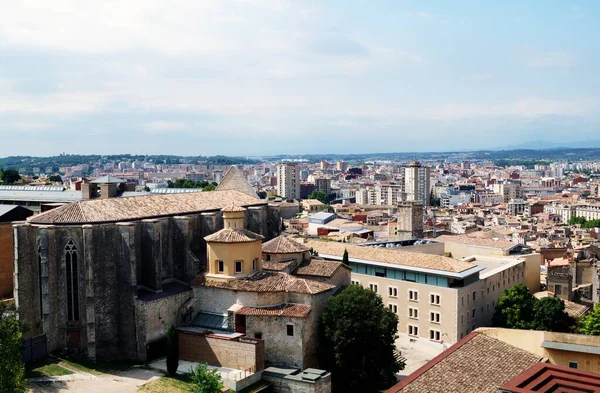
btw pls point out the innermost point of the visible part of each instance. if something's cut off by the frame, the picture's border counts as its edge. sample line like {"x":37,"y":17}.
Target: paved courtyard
{"x":417,"y":352}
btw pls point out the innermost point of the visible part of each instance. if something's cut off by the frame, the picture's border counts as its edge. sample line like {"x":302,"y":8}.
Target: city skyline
{"x":295,"y":77}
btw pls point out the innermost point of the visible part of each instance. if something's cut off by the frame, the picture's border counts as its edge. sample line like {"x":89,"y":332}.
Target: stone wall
{"x":218,"y":351}
{"x":6,"y":260}
{"x":279,"y":347}
{"x":159,"y":314}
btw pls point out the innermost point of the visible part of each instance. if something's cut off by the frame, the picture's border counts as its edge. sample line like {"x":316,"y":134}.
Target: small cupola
{"x":233,"y":217}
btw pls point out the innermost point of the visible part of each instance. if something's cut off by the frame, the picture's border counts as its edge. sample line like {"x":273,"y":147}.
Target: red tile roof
{"x":476,"y":363}
{"x":283,"y":245}
{"x":546,"y":378}
{"x":268,"y":282}
{"x":228,"y":235}
{"x":281,"y":310}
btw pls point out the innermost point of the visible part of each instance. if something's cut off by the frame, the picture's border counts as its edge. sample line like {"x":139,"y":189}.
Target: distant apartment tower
{"x":323,"y":184}
{"x":288,"y":181}
{"x":416,"y":183}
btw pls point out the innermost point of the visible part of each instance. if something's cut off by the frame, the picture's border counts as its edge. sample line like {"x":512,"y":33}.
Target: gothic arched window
{"x":72,"y":281}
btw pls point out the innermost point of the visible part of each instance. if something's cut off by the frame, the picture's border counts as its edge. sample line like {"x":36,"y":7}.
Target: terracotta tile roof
{"x":141,"y":207}
{"x":396,"y":257}
{"x":269,"y":282}
{"x":228,"y":235}
{"x":319,"y":267}
{"x":476,"y":363}
{"x":281,"y":310}
{"x":283,"y":245}
{"x":234,"y":179}
{"x":233,"y":208}
{"x":277,"y":266}
{"x":476,"y":241}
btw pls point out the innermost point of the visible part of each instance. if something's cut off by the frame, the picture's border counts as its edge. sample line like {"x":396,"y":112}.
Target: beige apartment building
{"x":438,"y":297}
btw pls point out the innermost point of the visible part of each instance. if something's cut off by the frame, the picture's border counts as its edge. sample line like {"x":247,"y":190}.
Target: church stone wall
{"x":114,"y":261}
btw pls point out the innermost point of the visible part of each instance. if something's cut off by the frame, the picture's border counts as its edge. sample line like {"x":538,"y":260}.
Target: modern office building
{"x":436,"y":297}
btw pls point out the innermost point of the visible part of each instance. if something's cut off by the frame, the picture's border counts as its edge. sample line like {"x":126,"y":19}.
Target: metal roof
{"x":32,"y":188}
{"x":571,"y":347}
{"x":6,"y":208}
{"x":211,"y":321}
{"x":39,"y":194}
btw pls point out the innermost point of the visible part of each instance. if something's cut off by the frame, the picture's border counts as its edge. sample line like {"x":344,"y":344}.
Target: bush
{"x":205,"y":380}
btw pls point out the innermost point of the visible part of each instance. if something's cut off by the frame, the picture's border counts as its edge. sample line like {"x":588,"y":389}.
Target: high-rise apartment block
{"x":416,"y":183}
{"x":288,"y":181}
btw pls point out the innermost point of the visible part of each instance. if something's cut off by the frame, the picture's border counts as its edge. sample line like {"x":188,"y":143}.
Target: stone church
{"x":108,"y":277}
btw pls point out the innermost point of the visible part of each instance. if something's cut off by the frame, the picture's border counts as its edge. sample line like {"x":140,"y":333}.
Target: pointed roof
{"x":233,"y":208}
{"x":228,"y":235}
{"x":234,"y":179}
{"x":283,"y":245}
{"x":108,"y":180}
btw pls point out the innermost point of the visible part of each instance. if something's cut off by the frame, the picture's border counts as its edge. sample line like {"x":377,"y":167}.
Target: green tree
{"x":12,"y":370}
{"x":590,"y":324}
{"x":205,"y":380}
{"x":357,"y":341}
{"x":9,"y":176}
{"x":320,"y":195}
{"x":172,"y":351}
{"x":549,"y":314}
{"x":345,"y":258}
{"x":55,"y":178}
{"x":515,"y":308}
{"x":577,"y":220}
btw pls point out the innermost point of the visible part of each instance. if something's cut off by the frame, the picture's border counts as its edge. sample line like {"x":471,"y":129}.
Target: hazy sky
{"x":248,"y":77}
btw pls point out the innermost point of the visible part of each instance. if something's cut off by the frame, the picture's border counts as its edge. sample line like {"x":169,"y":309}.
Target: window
{"x":413,"y":313}
{"x":434,"y":299}
{"x":462,"y":319}
{"x":413,"y":330}
{"x":434,"y":317}
{"x":487,"y":307}
{"x":468,"y":298}
{"x":488,"y":290}
{"x":462,"y":300}
{"x":72,"y":281}
{"x":220,"y":266}
{"x":393,"y":307}
{"x":268,"y":257}
{"x":258,"y":335}
{"x":558,"y":289}
{"x":393,"y":291}
{"x":473,"y":313}
{"x":474,"y":293}
{"x":238,"y":266}
{"x":435,"y":335}
{"x":493,"y":287}
{"x":254,"y":264}
{"x":573,"y":365}
{"x":374,"y":287}
{"x":355,"y":282}
{"x":290,"y":329}
{"x":413,"y":295}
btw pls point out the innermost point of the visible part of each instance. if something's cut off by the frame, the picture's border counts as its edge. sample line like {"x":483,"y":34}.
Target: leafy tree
{"x":515,"y":308}
{"x":577,"y":220}
{"x":590,"y":324}
{"x":9,"y":176}
{"x":357,"y":334}
{"x":262,"y":194}
{"x":549,"y":314}
{"x":205,"y":380}
{"x":172,"y":351}
{"x":345,"y":257}
{"x":55,"y":178}
{"x":320,"y":195}
{"x":12,"y":370}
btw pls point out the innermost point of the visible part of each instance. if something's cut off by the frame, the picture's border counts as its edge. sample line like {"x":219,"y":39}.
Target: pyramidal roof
{"x":234,"y":179}
{"x":283,"y":245}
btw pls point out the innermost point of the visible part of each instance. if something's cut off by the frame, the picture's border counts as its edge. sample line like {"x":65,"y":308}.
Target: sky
{"x":263,"y":77}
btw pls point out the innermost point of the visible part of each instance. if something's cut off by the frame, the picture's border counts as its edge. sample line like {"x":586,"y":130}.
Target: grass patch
{"x":97,"y":367}
{"x":46,"y":368}
{"x":178,"y":384}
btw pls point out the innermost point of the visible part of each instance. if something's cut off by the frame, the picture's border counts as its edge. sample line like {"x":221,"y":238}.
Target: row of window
{"x":413,"y":313}
{"x":413,"y":294}
{"x":434,"y":334}
{"x":239,"y":266}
